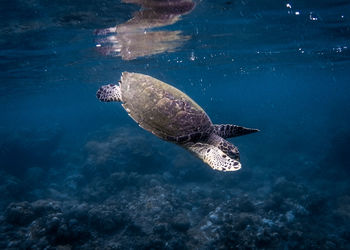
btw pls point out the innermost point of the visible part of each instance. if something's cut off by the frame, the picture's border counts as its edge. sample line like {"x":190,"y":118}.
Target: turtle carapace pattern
{"x":173,"y":116}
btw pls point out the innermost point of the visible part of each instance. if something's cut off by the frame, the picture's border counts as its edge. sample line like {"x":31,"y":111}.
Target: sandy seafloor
{"x":76,"y":173}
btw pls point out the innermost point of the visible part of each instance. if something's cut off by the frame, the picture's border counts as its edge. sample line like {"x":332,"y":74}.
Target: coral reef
{"x":146,"y":211}
{"x":119,"y":196}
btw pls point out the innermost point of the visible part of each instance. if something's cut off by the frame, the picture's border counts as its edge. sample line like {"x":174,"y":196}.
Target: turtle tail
{"x":109,"y":93}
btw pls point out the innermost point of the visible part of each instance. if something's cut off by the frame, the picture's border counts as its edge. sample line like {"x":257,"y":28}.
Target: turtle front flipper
{"x":215,"y":156}
{"x":109,"y":93}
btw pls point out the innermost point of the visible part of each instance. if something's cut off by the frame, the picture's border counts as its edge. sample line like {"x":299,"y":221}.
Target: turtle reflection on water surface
{"x":173,"y":116}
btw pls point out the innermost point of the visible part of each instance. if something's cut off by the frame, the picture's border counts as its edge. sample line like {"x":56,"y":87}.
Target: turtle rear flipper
{"x":109,"y":93}
{"x":216,"y":158}
{"x":230,"y":130}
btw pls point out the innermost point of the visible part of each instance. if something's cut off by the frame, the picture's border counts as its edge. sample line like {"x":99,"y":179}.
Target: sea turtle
{"x":173,"y":116}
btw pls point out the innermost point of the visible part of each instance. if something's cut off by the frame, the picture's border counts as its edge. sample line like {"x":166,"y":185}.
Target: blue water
{"x":279,"y":66}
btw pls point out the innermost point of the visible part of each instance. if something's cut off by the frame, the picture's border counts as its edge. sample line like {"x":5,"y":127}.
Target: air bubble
{"x":192,"y":57}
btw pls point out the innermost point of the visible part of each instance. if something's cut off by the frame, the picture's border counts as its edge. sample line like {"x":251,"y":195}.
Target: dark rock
{"x":55,"y":230}
{"x":245,"y":205}
{"x":154,"y":244}
{"x":43,"y":207}
{"x":119,"y":180}
{"x":162,"y":230}
{"x":181,"y":222}
{"x":177,"y":243}
{"x":243,"y":221}
{"x":288,"y":189}
{"x":264,"y":239}
{"x":73,"y":182}
{"x":79,"y":211}
{"x":105,"y":219}
{"x":272,"y":204}
{"x":20,"y":213}
{"x":316,"y":204}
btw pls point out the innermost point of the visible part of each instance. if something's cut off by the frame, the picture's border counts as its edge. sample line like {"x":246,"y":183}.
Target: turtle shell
{"x":162,"y":109}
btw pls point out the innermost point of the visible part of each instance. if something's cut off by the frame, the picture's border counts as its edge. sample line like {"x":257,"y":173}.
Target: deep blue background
{"x":251,"y":63}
